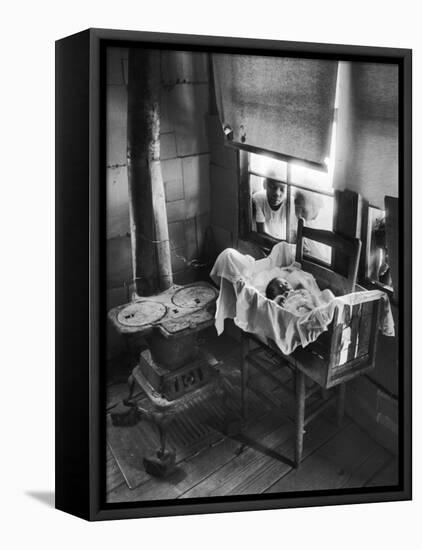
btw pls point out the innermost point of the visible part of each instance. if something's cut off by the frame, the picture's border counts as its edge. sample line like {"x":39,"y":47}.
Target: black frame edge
{"x":224,"y":42}
{"x":405,"y":175}
{"x":224,"y":505}
{"x":72,"y":417}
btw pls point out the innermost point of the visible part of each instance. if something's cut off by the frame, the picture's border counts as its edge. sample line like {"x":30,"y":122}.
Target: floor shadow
{"x":45,"y":497}
{"x":272,"y":453}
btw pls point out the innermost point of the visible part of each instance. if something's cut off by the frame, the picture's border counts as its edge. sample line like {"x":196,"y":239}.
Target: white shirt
{"x":274,"y":220}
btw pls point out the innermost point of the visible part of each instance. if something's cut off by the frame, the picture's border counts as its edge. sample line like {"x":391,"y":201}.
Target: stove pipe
{"x":147,"y":204}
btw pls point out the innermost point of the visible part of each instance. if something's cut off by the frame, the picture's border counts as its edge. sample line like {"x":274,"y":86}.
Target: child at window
{"x":270,"y":209}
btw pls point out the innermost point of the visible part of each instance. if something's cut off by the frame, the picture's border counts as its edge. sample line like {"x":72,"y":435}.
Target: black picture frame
{"x":80,"y":268}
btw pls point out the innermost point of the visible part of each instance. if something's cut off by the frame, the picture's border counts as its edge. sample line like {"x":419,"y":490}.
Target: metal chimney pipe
{"x":147,"y":204}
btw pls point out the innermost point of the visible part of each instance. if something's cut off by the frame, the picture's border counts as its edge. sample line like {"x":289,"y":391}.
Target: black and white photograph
{"x":253,"y":277}
{"x":210,"y":244}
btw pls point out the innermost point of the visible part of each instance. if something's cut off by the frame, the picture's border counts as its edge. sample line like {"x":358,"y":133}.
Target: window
{"x":281,"y":192}
{"x":276,"y":193}
{"x":377,"y":263}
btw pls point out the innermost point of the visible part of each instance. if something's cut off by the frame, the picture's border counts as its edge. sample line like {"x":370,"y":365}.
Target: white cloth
{"x":274,"y":220}
{"x":247,"y":305}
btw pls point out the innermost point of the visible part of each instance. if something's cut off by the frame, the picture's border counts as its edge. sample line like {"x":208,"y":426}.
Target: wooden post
{"x":341,"y":403}
{"x":149,"y":230}
{"x":244,"y":372}
{"x":392,"y":234}
{"x":347,"y":222}
{"x":300,"y":415}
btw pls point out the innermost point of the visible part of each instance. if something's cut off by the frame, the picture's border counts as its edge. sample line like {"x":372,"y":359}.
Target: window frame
{"x":264,"y":240}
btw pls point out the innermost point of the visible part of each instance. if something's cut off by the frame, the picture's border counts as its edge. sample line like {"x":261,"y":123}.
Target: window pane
{"x":378,"y":269}
{"x":317,"y":212}
{"x":308,"y":177}
{"x":256,"y":183}
{"x":268,"y":167}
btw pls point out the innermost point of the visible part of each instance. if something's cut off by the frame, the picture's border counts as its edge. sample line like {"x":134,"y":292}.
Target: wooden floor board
{"x":256,"y":462}
{"x":196,"y":467}
{"x":388,"y":475}
{"x":187,"y":473}
{"x":244,"y":464}
{"x":114,"y":475}
{"x":130,"y":444}
{"x":363,"y":473}
{"x":269,"y":470}
{"x":334,"y":465}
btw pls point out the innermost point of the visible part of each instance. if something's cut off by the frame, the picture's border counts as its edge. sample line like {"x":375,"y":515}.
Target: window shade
{"x":284,"y":105}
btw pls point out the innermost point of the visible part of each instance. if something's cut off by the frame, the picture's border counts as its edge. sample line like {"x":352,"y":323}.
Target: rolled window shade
{"x":283,"y":105}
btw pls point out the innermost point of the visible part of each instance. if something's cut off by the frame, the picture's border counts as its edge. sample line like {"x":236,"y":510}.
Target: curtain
{"x":284,"y":105}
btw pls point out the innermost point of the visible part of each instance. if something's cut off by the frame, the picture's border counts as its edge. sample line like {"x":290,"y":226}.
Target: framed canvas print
{"x":233,"y":274}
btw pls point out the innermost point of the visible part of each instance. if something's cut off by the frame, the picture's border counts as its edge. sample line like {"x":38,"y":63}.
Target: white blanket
{"x":243,"y":281}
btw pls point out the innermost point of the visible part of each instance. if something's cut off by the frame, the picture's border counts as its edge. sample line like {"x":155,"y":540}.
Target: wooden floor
{"x":257,"y":461}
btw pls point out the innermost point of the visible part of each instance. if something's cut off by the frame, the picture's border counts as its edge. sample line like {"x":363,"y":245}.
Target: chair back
{"x":325,"y":276}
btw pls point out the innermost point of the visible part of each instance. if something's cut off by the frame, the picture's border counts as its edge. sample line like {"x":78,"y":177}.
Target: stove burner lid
{"x":194,"y":296}
{"x":141,"y":313}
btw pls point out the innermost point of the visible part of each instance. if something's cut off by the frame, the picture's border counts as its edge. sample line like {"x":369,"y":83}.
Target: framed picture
{"x":233,"y":274}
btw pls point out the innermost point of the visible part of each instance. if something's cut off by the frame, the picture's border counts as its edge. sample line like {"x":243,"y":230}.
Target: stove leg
{"x":163,"y":462}
{"x":126,"y":413}
{"x":131,"y":383}
{"x":162,"y":430}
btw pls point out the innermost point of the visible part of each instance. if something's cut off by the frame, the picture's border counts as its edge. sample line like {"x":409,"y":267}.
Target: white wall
{"x":29,"y":30}
{"x":367,"y":131}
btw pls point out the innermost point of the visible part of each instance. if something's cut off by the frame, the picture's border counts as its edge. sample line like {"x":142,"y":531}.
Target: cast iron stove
{"x":174,"y":371}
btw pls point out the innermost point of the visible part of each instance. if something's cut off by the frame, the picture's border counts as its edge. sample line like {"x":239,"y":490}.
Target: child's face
{"x":275,"y":193}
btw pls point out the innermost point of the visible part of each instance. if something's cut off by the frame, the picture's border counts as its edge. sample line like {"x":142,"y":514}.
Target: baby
{"x":299,"y":300}
{"x":278,"y":290}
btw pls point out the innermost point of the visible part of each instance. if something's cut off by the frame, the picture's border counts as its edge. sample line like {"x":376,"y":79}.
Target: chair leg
{"x":341,"y":403}
{"x":300,"y":415}
{"x":244,"y":376}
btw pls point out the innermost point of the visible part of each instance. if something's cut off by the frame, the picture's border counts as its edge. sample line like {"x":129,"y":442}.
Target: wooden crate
{"x":346,"y":350}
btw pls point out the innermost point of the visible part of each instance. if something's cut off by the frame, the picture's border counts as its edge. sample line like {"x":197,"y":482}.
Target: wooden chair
{"x":340,"y":354}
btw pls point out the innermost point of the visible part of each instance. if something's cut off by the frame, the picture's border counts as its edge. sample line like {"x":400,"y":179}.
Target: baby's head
{"x":277,"y":287}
